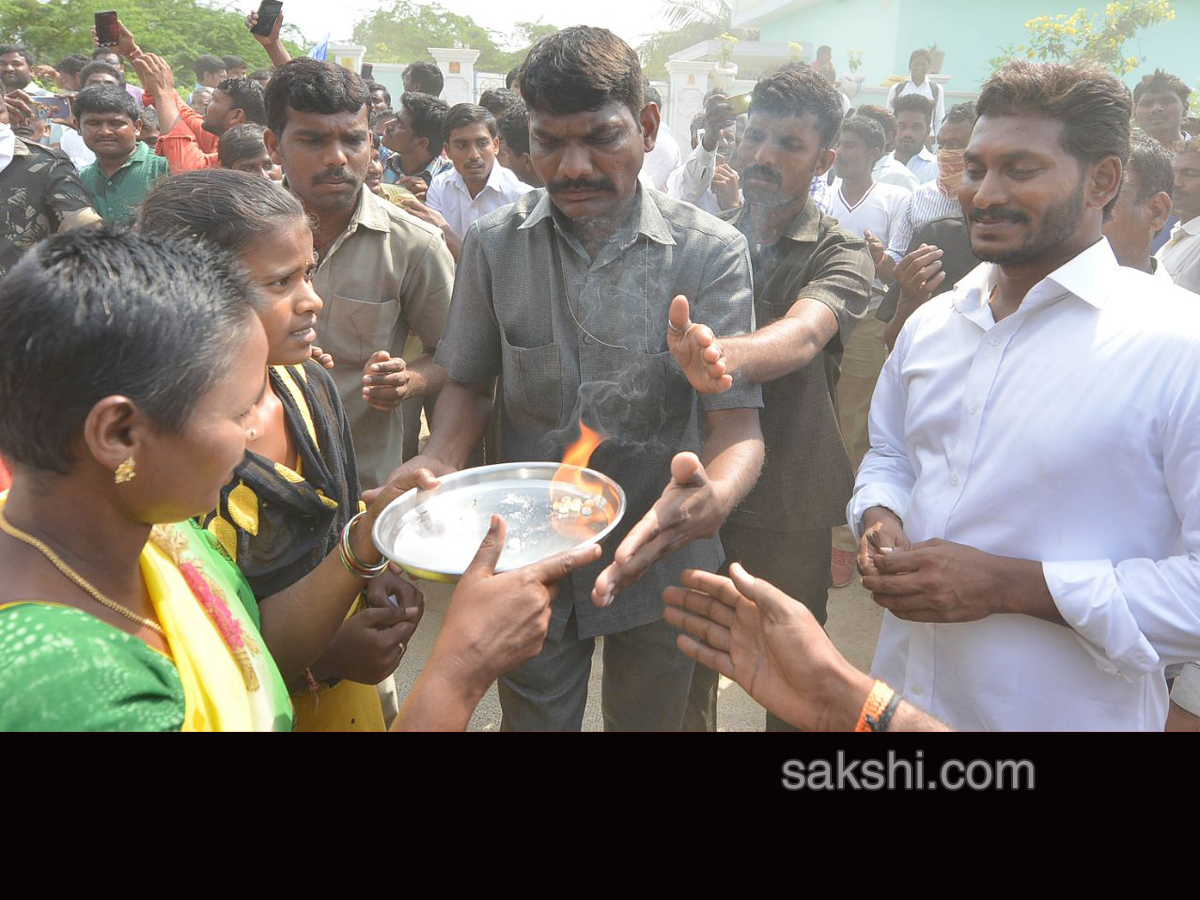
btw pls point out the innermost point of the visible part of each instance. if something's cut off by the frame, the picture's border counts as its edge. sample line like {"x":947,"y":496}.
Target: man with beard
{"x":812,"y":284}
{"x":1029,"y":510}
{"x":565,"y":294}
{"x":380,"y":271}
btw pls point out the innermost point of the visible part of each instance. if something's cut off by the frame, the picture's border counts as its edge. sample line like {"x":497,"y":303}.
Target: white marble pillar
{"x":689,"y":84}
{"x":458,"y":72}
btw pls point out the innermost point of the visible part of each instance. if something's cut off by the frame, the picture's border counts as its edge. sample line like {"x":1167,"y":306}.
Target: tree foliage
{"x":688,"y":22}
{"x":178,"y":30}
{"x":1094,"y":40}
{"x":404,"y":31}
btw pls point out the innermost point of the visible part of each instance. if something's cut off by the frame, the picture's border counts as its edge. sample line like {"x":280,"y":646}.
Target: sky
{"x":631,"y":19}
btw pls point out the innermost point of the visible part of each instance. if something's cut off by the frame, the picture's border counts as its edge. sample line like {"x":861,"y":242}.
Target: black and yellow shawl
{"x":276,"y":523}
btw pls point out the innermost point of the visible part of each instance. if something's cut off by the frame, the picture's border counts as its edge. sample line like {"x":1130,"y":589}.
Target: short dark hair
{"x":914,"y":103}
{"x":580,"y":69}
{"x":105,"y":98}
{"x":71,"y":65}
{"x":427,"y":77}
{"x":1094,"y":107}
{"x":6,"y":49}
{"x":463,"y":114}
{"x":497,"y":100}
{"x":104,"y":51}
{"x":514,"y":127}
{"x":233,"y":62}
{"x":881,"y":116}
{"x":800,"y":91}
{"x":262,"y":76}
{"x":149,"y":117}
{"x":310,"y":85}
{"x":99,"y":65}
{"x":917,"y":54}
{"x":961,"y":112}
{"x":866,"y":128}
{"x":380,"y":116}
{"x":427,"y":114}
{"x":652,"y":95}
{"x":513,"y":76}
{"x":207,"y":64}
{"x":230,"y":209}
{"x":1160,"y":82}
{"x":99,"y":311}
{"x":1150,"y":161}
{"x":240,"y":142}
{"x":373,"y":86}
{"x":247,"y":96}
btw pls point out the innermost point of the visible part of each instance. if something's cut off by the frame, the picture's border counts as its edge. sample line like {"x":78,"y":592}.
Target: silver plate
{"x":435,"y":534}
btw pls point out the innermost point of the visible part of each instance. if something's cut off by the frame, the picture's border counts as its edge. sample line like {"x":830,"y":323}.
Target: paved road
{"x":853,"y":625}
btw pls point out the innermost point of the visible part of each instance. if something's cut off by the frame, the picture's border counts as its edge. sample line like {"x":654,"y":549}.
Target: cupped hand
{"x":696,"y":349}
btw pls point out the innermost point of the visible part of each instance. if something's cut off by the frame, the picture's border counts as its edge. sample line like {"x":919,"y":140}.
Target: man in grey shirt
{"x":565,"y":294}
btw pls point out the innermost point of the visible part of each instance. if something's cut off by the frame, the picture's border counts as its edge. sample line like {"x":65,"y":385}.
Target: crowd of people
{"x":949,"y":346}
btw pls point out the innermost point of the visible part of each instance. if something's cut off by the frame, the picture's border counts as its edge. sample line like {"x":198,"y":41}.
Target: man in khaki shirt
{"x":380,"y":271}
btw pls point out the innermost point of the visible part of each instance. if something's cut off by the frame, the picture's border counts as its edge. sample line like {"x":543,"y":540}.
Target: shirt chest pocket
{"x":533,"y":381}
{"x":353,"y":329}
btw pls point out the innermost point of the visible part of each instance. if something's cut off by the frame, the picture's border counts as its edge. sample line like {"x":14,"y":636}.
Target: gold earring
{"x":125,"y":471}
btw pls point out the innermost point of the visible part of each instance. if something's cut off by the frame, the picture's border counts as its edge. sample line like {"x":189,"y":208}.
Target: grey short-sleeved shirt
{"x":599,"y":350}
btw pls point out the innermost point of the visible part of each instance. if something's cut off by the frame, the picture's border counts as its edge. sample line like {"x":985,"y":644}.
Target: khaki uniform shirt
{"x":386,"y":275}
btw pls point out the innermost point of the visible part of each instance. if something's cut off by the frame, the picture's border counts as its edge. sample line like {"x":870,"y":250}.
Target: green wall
{"x":971,"y":33}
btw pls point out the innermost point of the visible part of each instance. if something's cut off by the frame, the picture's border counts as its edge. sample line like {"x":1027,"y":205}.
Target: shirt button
{"x":954,"y":480}
{"x":995,"y":342}
{"x":917,"y":690}
{"x":973,"y":408}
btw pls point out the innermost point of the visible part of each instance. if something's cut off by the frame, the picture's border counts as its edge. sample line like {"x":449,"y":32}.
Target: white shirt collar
{"x":495,"y":181}
{"x":1191,"y":226}
{"x":1087,"y":276}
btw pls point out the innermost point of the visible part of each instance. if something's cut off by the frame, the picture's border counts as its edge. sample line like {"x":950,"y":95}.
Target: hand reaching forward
{"x":696,"y":350}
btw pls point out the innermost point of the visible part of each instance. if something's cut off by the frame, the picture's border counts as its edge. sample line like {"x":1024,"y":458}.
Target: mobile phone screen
{"x":268,"y":12}
{"x":106,"y":28}
{"x":366,"y":71}
{"x":53,"y":107}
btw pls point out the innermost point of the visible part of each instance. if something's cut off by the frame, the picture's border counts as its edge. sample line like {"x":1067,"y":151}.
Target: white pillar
{"x":458,"y":72}
{"x":347,"y":55}
{"x":689,"y":84}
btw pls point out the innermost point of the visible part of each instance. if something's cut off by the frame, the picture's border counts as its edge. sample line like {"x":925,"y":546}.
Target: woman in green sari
{"x":129,"y":367}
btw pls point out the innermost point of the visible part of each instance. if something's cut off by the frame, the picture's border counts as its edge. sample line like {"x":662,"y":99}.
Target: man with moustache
{"x":566,"y":295}
{"x":1029,"y":510}
{"x":812,"y":284}
{"x":380,"y":272}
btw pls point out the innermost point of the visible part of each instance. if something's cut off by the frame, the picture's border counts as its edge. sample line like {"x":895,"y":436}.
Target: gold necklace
{"x":12,"y":531}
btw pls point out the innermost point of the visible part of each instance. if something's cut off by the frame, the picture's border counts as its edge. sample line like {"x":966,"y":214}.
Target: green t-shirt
{"x":117,"y":198}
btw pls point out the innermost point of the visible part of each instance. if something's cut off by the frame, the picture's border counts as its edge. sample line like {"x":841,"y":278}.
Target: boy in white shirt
{"x":476,"y":185}
{"x":868,"y":208}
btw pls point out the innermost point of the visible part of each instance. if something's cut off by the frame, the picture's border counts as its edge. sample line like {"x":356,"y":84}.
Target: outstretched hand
{"x":769,"y":643}
{"x":696,"y":349}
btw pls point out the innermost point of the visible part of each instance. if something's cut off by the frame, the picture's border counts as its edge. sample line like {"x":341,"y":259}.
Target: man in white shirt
{"x":1181,"y":254}
{"x":1143,"y":207}
{"x":665,"y":157}
{"x":1030,"y":505}
{"x":918,"y":66}
{"x":914,"y":121}
{"x":476,"y":185}
{"x":869,"y":210}
{"x":888,"y":169}
{"x":713,"y":147}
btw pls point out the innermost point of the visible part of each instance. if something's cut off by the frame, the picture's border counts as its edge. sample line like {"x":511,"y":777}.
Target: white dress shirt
{"x":1181,"y":255}
{"x":662,"y":160}
{"x":448,"y":194}
{"x":1069,"y":433}
{"x":890,"y":170}
{"x":924,"y":165}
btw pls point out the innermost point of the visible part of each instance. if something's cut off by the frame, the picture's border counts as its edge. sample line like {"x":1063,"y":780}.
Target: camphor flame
{"x":578,"y":500}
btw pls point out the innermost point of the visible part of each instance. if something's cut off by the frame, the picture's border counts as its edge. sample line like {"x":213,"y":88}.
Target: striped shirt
{"x":925,"y":204}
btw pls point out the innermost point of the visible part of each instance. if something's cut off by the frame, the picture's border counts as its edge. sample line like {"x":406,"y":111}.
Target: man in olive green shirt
{"x":126,"y":169}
